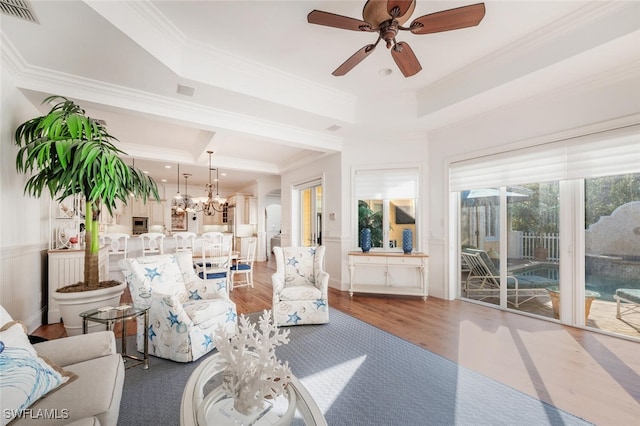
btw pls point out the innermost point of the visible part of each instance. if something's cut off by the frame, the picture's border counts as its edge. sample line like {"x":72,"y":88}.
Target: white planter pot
{"x":71,"y":304}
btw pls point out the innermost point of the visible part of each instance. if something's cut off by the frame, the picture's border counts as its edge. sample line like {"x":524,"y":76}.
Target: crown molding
{"x":146,"y":25}
{"x":77,"y":87}
{"x":186,"y":158}
{"x":587,"y":28}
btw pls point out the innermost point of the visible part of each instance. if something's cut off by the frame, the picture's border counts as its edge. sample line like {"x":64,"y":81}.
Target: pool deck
{"x":602,"y":316}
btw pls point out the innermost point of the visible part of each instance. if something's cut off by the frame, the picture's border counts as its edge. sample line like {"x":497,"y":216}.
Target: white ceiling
{"x":264,"y":95}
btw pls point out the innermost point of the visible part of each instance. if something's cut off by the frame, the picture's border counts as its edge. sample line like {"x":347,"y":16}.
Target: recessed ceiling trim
{"x":534,"y":52}
{"x":77,"y":87}
{"x":147,"y":26}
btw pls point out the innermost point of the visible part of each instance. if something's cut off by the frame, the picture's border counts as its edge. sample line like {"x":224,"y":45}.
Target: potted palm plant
{"x":71,"y":154}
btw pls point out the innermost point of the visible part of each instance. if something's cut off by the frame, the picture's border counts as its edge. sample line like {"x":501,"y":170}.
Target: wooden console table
{"x":384,"y":273}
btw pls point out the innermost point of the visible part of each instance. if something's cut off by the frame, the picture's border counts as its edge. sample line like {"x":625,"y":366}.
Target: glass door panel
{"x":480,"y":245}
{"x":612,"y":253}
{"x":533,"y":248}
{"x":311,"y":216}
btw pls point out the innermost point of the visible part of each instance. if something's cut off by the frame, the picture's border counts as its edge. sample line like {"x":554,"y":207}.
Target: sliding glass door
{"x":612,"y":252}
{"x":554,"y":230}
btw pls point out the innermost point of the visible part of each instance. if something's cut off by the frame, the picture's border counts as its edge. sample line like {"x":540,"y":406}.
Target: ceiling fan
{"x":387,"y":18}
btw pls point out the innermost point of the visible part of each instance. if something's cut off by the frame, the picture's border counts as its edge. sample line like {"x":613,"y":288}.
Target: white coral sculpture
{"x":252,"y":371}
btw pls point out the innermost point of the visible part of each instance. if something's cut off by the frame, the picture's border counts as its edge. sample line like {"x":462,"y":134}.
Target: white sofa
{"x":92,"y":397}
{"x":184,"y":310}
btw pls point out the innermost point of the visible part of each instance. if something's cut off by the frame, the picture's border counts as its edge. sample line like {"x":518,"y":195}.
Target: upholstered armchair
{"x":184,"y":310}
{"x":300,"y":286}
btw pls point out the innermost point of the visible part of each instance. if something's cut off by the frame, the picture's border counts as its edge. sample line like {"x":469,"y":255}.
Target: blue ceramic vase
{"x":407,"y":241}
{"x":365,"y":240}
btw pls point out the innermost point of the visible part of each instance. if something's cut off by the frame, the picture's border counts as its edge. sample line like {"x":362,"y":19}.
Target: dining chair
{"x":214,"y":261}
{"x":244,"y":266}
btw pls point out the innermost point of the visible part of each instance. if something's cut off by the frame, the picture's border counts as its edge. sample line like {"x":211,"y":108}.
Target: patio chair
{"x":483,"y":280}
{"x":627,"y":302}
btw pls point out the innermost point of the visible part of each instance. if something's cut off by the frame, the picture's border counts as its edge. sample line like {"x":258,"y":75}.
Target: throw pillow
{"x":25,"y":377}
{"x":162,"y":275}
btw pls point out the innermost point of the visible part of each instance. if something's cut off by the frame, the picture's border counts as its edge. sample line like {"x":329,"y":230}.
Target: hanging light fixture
{"x":187,"y":201}
{"x":212,"y":204}
{"x":182,"y":202}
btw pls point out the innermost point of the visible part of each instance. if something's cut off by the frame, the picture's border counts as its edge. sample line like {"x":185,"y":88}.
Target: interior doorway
{"x":310,"y":213}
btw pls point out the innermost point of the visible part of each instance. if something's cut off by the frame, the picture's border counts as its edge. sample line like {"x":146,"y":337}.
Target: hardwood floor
{"x":593,"y":376}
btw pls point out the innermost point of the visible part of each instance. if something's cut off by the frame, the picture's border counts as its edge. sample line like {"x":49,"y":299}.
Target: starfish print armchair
{"x":300,"y":286}
{"x":184,"y":310}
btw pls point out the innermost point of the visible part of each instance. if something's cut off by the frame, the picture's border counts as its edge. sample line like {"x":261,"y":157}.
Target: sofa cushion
{"x":25,"y":377}
{"x":301,"y":292}
{"x":95,"y":393}
{"x":201,"y":311}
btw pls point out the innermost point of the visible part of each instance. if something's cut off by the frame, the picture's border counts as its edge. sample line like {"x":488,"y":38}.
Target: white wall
{"x":594,"y":106}
{"x":328,"y":169}
{"x":409,"y":150}
{"x":24,"y":221}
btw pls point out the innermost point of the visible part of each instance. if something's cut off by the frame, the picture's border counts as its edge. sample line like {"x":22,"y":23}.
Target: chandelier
{"x":209,"y":205}
{"x":212,"y":203}
{"x":182,"y":202}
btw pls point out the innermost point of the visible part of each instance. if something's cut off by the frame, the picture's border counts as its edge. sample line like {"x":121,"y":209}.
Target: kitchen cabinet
{"x":246,"y":209}
{"x":241,"y":245}
{"x":139,"y":208}
{"x":251,"y":211}
{"x":157,"y":212}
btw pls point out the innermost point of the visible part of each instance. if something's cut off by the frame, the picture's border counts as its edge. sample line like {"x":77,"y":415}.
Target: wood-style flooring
{"x":591,"y":375}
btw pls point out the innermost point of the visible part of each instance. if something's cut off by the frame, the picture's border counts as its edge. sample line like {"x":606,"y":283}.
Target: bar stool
{"x":152,"y":243}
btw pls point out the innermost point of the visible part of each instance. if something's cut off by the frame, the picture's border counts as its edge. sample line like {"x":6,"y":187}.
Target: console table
{"x":386,"y":273}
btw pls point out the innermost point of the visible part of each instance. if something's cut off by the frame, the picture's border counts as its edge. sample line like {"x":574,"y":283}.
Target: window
{"x":565,"y":214}
{"x":386,"y":204}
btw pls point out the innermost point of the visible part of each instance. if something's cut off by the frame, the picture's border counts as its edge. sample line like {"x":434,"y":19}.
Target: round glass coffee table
{"x":204,"y":402}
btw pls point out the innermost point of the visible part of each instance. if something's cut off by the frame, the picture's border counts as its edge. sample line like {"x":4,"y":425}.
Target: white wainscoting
{"x":22,"y":280}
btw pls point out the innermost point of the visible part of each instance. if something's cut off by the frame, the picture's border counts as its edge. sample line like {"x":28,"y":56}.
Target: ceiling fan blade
{"x":337,"y":21}
{"x":403,"y":6}
{"x":447,"y":20}
{"x":405,"y":59}
{"x":354,"y":60}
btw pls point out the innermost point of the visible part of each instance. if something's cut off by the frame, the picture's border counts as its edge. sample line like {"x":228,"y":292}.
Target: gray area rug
{"x":359,"y":375}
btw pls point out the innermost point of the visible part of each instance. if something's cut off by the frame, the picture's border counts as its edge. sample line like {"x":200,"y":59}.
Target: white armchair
{"x":300,"y":286}
{"x":185,"y":311}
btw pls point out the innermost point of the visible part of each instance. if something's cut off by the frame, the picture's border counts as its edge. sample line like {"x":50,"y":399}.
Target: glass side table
{"x":111,"y":315}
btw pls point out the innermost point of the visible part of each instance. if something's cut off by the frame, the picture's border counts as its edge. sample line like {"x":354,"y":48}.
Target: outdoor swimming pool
{"x":603,"y":284}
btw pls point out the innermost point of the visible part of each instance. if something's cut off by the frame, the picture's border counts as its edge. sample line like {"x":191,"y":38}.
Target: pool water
{"x":604,"y":285}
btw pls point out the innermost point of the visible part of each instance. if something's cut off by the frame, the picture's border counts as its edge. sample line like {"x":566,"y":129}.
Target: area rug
{"x":359,"y":375}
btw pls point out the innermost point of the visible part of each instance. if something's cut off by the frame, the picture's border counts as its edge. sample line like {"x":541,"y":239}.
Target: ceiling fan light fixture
{"x":385,"y":72}
{"x":387,"y":18}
